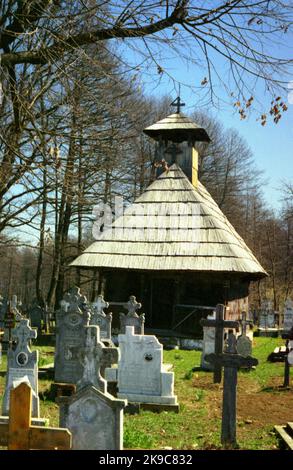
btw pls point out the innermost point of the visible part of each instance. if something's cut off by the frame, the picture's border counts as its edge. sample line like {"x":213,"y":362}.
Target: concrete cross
{"x":19,"y":434}
{"x":96,"y":358}
{"x":132,"y":305}
{"x":23,"y":333}
{"x":219,"y":324}
{"x":100,"y":304}
{"x":231,"y":361}
{"x":74,"y":300}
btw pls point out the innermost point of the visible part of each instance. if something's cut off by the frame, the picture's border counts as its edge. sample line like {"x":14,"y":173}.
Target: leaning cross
{"x":219,"y":324}
{"x":100,"y":304}
{"x":19,"y":434}
{"x":132,"y":305}
{"x":95,"y":359}
{"x":231,"y":361}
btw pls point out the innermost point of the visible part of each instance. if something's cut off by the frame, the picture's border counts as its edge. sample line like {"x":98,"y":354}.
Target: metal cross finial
{"x":178,"y":103}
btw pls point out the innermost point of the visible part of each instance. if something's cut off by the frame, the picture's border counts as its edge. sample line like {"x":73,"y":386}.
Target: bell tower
{"x":176,"y":136}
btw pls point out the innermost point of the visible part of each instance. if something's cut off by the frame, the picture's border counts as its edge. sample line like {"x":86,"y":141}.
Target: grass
{"x":197,"y":426}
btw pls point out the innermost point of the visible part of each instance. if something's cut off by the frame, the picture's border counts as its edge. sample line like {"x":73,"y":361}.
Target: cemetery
{"x":146,"y":242}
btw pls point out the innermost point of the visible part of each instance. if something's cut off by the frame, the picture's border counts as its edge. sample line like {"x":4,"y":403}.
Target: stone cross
{"x":100,"y":304}
{"x":231,"y":361}
{"x":74,"y":300}
{"x":132,"y":305}
{"x":219,"y":324}
{"x":243,"y":323}
{"x":244,"y":343}
{"x":96,"y":358}
{"x":23,"y":333}
{"x":19,"y":434}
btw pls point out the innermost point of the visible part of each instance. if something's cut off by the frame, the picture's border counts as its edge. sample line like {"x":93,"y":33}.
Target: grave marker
{"x":19,"y":434}
{"x":219,"y":324}
{"x":100,"y":319}
{"x":22,"y":364}
{"x":231,"y":361}
{"x":132,"y":318}
{"x":244,"y":343}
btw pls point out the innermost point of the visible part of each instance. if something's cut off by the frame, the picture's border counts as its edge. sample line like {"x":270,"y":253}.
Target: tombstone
{"x":95,"y":357}
{"x":3,"y":309}
{"x":141,"y":375}
{"x":219,"y":324}
{"x":208,"y":346}
{"x":288,"y":315}
{"x":20,"y":434}
{"x":100,"y":319}
{"x":231,"y":361}
{"x":288,"y":358}
{"x":244,"y":343}
{"x":22,"y":364}
{"x":70,"y":338}
{"x":132,"y":318}
{"x":267,"y":315}
{"x":35,"y":315}
{"x":94,"y":417}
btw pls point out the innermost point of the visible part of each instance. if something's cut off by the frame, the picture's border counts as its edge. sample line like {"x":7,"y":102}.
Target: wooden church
{"x":173,"y":247}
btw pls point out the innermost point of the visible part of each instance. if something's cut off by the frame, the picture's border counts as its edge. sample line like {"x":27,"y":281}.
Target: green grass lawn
{"x":261,"y":404}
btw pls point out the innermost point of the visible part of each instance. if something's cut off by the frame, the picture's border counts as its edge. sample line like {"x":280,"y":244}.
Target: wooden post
{"x":19,"y":434}
{"x":231,"y":361}
{"x":219,"y":324}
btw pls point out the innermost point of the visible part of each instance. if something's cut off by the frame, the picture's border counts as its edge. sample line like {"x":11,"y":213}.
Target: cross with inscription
{"x":96,"y":358}
{"x":231,"y":361}
{"x":178,"y":103}
{"x":132,"y":305}
{"x":23,"y":333}
{"x":100,"y":304}
{"x":19,"y":434}
{"x":219,"y":324}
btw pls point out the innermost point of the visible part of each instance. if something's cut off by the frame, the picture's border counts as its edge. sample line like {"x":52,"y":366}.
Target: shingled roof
{"x":172,"y":226}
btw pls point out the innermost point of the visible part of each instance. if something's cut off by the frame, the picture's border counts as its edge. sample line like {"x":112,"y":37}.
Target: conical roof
{"x":178,"y":128}
{"x":172,"y":226}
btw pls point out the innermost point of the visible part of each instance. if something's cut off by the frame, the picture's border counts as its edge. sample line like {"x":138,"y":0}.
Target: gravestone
{"x":3,"y":309}
{"x":244,"y":343}
{"x":208,"y":345}
{"x":100,"y":319}
{"x":141,"y":375}
{"x":231,"y":361}
{"x":22,"y":364}
{"x":132,"y":318}
{"x":70,"y":337}
{"x":219,"y":324}
{"x":35,"y":315}
{"x":267,"y":315}
{"x":95,"y":357}
{"x":288,"y":315}
{"x":94,"y":417}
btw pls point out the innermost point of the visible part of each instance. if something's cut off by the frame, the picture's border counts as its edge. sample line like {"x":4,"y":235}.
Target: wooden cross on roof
{"x":178,"y":103}
{"x":19,"y":434}
{"x":219,"y":324}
